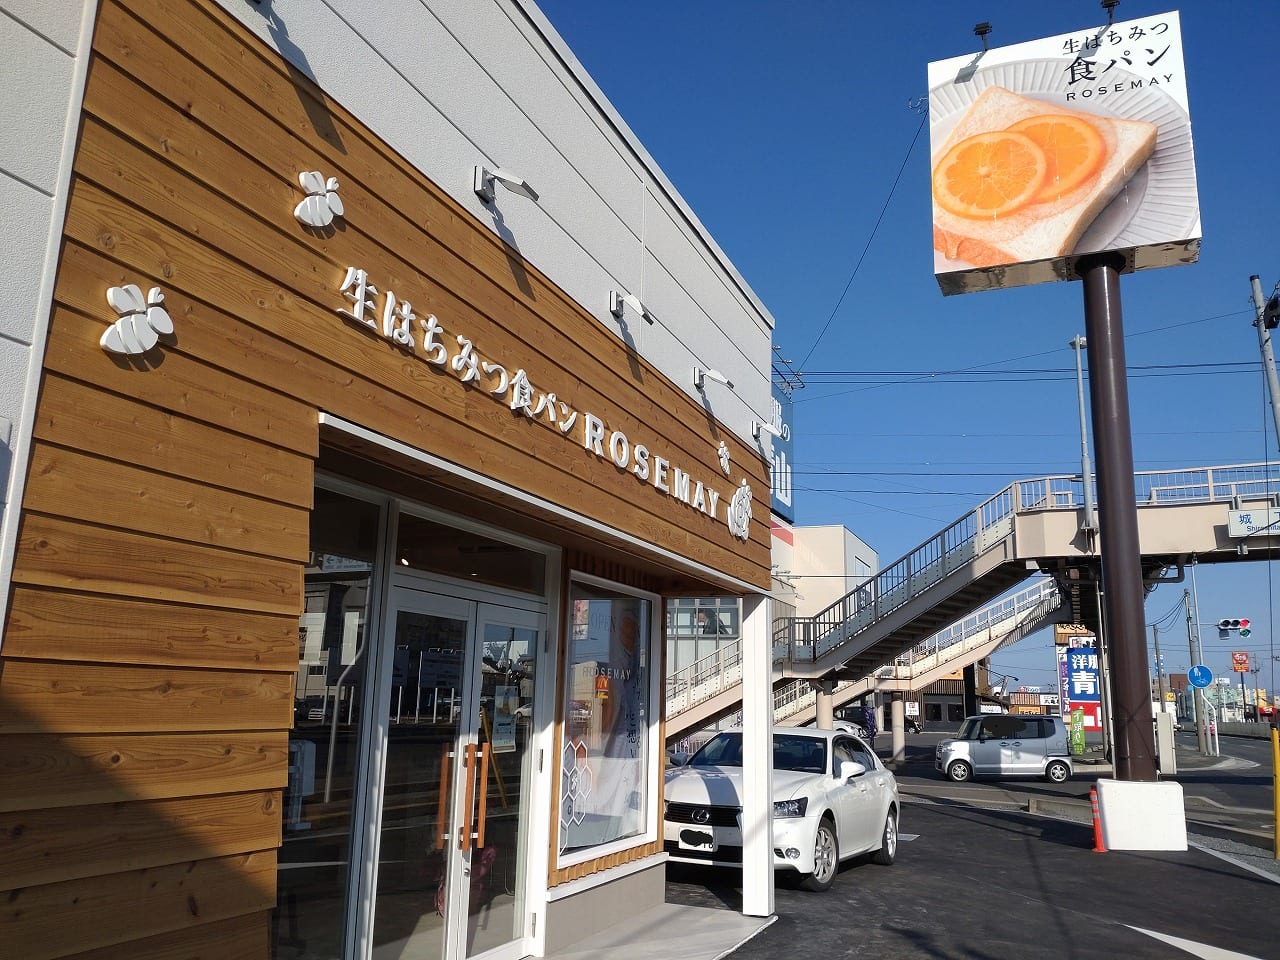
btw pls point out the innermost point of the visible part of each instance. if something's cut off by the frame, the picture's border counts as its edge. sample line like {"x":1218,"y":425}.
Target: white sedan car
{"x":832,"y":799}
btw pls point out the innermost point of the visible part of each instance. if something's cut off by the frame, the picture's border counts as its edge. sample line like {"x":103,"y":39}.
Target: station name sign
{"x":1263,"y":522}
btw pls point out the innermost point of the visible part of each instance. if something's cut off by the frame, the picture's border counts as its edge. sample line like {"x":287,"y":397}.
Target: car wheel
{"x":888,"y":841}
{"x":826,"y":858}
{"x":960,"y":771}
{"x":1057,"y":772}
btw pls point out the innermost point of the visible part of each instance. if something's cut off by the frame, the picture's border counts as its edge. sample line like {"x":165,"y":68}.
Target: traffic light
{"x":1238,"y":623}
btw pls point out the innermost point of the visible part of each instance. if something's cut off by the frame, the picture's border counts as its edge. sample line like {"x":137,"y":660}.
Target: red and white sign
{"x":1240,"y":661}
{"x":1092,"y":710}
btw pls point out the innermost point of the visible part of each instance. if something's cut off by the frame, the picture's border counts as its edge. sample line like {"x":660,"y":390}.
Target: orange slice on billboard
{"x":990,"y":175}
{"x":1073,"y":147}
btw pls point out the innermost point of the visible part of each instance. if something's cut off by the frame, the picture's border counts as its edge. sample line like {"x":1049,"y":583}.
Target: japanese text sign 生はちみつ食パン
{"x":1047,"y":150}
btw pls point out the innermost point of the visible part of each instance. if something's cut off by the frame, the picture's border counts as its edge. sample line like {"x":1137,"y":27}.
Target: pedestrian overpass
{"x":940,"y":600}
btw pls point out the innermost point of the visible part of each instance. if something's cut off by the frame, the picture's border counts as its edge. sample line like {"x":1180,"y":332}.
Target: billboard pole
{"x":1133,"y":742}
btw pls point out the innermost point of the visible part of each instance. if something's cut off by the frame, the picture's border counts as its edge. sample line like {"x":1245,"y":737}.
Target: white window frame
{"x":653,"y":798}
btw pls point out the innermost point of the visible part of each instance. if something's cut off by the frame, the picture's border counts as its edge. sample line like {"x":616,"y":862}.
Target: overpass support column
{"x":825,"y":709}
{"x":971,"y":690}
{"x":898,"y":713}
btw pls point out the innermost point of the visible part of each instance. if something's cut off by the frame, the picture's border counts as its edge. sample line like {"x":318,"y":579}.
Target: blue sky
{"x":785,"y":126}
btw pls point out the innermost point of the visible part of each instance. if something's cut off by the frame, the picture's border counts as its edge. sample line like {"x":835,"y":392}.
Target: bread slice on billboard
{"x":1043,"y":228}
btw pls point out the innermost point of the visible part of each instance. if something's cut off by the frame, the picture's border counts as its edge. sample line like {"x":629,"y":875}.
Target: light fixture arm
{"x":483,"y":179}
{"x":759,"y":426}
{"x":618,"y":302}
{"x":702,"y":374}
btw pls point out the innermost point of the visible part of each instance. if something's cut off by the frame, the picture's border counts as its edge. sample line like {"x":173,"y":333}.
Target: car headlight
{"x":790,"y":808}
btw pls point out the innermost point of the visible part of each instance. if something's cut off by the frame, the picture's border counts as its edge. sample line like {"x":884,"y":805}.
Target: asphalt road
{"x":989,"y":884}
{"x":1232,"y":791}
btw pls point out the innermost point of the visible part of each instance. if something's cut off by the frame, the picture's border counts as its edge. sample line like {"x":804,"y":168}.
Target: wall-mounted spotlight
{"x":619,"y":301}
{"x":702,"y":374}
{"x":758,"y":427}
{"x":483,"y":179}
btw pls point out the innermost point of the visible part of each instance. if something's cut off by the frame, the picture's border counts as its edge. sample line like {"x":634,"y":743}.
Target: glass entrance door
{"x":456,"y":777}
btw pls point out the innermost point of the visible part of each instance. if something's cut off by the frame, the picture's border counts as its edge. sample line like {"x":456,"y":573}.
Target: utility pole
{"x":1090,"y":525}
{"x":1155,"y":628}
{"x":1195,"y":694}
{"x":1266,"y":318}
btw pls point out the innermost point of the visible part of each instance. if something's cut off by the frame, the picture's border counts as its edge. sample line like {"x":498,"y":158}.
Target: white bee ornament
{"x":322,"y":203}
{"x":142,"y":322}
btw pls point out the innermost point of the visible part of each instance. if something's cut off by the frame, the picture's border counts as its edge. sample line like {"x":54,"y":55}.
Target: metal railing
{"x":1038,"y":600}
{"x":809,"y":638}
{"x":1027,"y":608}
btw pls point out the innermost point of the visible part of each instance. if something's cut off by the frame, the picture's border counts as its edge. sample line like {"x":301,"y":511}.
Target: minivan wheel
{"x":888,"y":841}
{"x":960,"y":771}
{"x":826,"y":858}
{"x":1057,"y":772}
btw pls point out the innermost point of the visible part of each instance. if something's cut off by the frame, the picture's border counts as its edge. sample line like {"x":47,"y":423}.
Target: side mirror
{"x":850,"y":769}
{"x":678,"y":759}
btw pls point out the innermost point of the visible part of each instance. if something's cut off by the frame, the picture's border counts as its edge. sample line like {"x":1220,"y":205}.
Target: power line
{"x":1250,"y":365}
{"x":1057,"y":350}
{"x":923,"y":120}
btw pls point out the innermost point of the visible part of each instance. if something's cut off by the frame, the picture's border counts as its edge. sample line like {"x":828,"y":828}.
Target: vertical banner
{"x":782,"y":493}
{"x":1077,"y":732}
{"x":1084,"y":685}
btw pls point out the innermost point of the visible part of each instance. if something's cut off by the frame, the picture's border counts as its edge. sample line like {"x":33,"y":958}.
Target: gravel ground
{"x":1256,"y":859}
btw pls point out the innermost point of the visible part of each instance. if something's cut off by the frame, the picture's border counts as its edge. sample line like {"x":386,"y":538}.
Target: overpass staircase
{"x":1031,"y":526}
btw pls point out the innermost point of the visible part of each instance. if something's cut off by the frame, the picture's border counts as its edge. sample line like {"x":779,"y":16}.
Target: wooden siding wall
{"x":151,"y":641}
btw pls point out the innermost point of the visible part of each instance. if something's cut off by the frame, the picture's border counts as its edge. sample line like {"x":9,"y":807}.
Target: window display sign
{"x":506,"y":700}
{"x":605,"y":787}
{"x":1047,"y":150}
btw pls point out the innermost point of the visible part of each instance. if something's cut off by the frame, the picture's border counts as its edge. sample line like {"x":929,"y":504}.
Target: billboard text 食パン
{"x":1047,"y":150}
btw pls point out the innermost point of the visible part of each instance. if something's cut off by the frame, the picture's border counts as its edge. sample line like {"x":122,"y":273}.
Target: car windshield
{"x":969,"y":729}
{"x":790,"y":752}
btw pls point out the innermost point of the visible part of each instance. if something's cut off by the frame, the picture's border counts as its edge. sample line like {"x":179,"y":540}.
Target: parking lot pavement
{"x":1001,"y":883}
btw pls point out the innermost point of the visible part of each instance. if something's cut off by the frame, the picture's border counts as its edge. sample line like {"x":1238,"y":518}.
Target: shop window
{"x":607,"y":762}
{"x":700,"y":628}
{"x":425,"y":545}
{"x":312,"y":886}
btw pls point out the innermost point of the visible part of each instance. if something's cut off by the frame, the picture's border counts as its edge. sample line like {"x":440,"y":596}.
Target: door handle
{"x":481,"y":817}
{"x":464,"y":837}
{"x":473,"y":821}
{"x":441,"y":833}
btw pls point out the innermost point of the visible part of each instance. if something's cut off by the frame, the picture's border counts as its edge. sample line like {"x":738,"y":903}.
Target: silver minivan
{"x":1006,"y":745}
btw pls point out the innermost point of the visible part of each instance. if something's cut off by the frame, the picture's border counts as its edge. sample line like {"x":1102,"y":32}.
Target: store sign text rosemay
{"x":397,"y":323}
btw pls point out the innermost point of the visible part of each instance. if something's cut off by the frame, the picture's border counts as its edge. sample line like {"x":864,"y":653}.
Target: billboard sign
{"x":1072,"y":635}
{"x":1240,"y":661}
{"x":1047,"y":150}
{"x":1084,"y":685}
